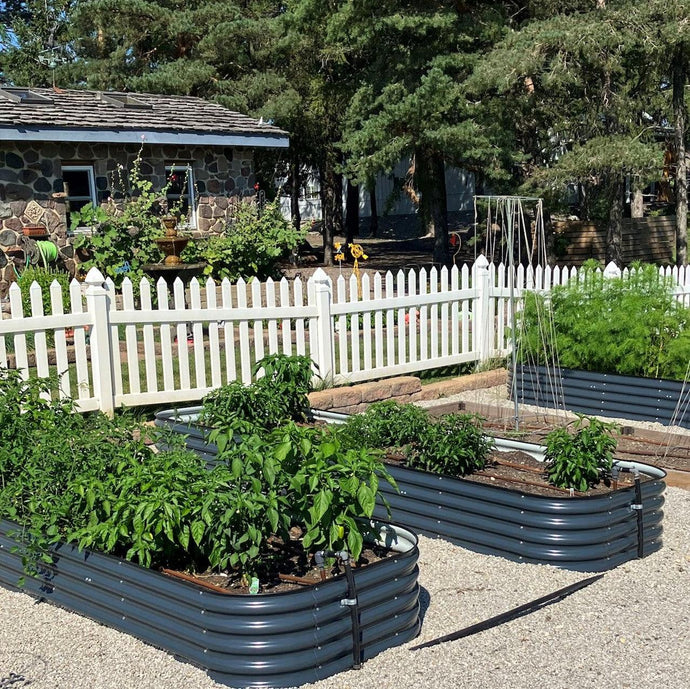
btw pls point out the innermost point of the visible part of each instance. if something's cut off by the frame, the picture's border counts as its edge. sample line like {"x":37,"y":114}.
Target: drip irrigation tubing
{"x":510,"y":614}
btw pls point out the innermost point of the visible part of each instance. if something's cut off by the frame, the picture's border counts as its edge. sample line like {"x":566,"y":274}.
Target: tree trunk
{"x":374,"y":219}
{"x":637,"y":201}
{"x":614,"y":233}
{"x":331,"y":201}
{"x":351,"y":212}
{"x":679,"y":77}
{"x":431,"y":171}
{"x":295,"y":184}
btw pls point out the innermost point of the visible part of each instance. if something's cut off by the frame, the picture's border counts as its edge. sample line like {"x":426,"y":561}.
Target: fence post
{"x":324,"y":352}
{"x":482,"y":329}
{"x":102,"y":369}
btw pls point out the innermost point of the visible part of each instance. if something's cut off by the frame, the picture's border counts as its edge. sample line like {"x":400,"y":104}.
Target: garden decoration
{"x":339,"y":256}
{"x":357,"y":252}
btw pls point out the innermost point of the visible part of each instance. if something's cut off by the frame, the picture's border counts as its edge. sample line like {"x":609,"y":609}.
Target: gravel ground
{"x":629,"y":629}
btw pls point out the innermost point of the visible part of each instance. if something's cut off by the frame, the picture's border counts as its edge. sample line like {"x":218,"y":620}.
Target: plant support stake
{"x":510,"y":614}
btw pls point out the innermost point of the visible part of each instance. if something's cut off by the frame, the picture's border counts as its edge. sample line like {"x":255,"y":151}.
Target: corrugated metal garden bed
{"x":265,"y":640}
{"x":585,"y":533}
{"x":603,"y":394}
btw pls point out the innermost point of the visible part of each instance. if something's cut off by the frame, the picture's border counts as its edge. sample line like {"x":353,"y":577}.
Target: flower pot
{"x":34,"y":231}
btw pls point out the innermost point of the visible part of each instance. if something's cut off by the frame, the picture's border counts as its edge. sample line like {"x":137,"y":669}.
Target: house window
{"x":180,"y":192}
{"x":80,"y":187}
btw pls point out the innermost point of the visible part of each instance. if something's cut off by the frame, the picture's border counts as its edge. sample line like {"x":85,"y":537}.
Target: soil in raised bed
{"x":520,"y":471}
{"x":287,"y":568}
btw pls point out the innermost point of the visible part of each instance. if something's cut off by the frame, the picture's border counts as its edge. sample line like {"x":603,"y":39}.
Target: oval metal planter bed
{"x":603,"y":394}
{"x":583,"y":533}
{"x":265,"y":640}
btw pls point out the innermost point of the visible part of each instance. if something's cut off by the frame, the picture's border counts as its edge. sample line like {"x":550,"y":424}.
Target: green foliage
{"x":386,"y":424}
{"x":45,"y":278}
{"x":124,"y":231}
{"x":333,"y":489}
{"x":251,"y":245}
{"x":581,"y":459}
{"x":94,"y":481}
{"x":278,"y":395}
{"x":453,"y":445}
{"x":632,"y":326}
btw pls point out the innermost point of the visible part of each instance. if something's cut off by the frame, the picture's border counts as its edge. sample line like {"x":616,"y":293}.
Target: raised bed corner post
{"x":323,"y":350}
{"x":97,"y":304}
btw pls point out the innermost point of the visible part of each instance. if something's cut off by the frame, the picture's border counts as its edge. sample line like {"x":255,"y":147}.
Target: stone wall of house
{"x":32,"y":171}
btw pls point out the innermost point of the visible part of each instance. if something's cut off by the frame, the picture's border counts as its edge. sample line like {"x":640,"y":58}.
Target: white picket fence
{"x":107,"y":348}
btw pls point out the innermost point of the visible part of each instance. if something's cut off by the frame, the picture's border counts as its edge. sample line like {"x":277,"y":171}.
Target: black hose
{"x":511,"y":614}
{"x":351,"y":601}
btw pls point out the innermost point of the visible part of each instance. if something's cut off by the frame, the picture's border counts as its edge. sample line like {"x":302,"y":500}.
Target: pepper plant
{"x":581,"y":458}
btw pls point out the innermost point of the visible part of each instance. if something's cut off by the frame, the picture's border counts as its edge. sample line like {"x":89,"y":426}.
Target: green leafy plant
{"x":454,"y":445}
{"x":387,"y":424}
{"x":631,"y":326}
{"x":44,"y":277}
{"x":278,"y":394}
{"x":581,"y":458}
{"x":333,"y":489}
{"x":251,"y":246}
{"x":123,"y":231}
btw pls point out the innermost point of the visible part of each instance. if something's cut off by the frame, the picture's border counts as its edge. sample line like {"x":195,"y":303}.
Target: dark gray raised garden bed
{"x":603,"y":394}
{"x":266,"y":640}
{"x":589,"y":534}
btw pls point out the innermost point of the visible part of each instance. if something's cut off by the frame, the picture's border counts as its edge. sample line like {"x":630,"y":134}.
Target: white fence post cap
{"x":481,"y":261}
{"x":94,"y":277}
{"x":612,"y":271}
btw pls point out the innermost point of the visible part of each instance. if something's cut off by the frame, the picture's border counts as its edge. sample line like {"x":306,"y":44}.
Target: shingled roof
{"x":74,"y":115}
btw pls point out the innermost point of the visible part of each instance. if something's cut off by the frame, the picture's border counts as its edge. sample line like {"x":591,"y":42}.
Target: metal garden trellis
{"x":509,"y":209}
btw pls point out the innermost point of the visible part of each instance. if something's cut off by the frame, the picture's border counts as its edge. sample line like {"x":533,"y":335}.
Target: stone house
{"x":60,"y":149}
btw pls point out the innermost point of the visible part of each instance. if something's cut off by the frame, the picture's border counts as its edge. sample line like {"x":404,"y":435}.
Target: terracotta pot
{"x":34,"y":231}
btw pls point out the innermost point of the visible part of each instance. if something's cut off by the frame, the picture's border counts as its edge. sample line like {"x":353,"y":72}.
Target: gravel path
{"x":630,"y":629}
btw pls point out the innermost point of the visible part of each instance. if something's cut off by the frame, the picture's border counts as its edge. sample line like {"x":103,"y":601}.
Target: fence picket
{"x":114,"y":339}
{"x":163,"y":296}
{"x":354,"y":325}
{"x":366,"y":323}
{"x":198,"y":335}
{"x":57,"y":308}
{"x":182,"y":335}
{"x":228,"y":333}
{"x":213,"y":336}
{"x":245,"y":357}
{"x":148,"y":336}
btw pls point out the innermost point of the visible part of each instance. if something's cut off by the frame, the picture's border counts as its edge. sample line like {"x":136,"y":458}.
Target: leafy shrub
{"x":630,"y":326}
{"x":93,"y":481}
{"x":251,"y":245}
{"x":454,"y":445}
{"x":45,"y":278}
{"x":386,"y":424}
{"x":124,"y":231}
{"x":278,"y":395}
{"x":580,"y":459}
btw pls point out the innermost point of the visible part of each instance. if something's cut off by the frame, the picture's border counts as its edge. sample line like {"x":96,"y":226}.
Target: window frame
{"x":91,"y":180}
{"x":186,"y":169}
